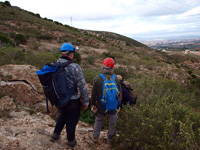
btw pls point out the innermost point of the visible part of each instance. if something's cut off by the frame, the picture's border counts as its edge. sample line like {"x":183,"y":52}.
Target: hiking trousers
{"x":69,"y":116}
{"x":112,"y":119}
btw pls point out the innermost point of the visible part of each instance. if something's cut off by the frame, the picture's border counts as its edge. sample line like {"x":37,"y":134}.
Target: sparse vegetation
{"x":90,"y":74}
{"x":105,"y":55}
{"x":121,"y":71}
{"x":90,"y":60}
{"x":5,"y":41}
{"x":7,"y":3}
{"x":19,"y":39}
{"x":87,"y":116}
{"x":11,"y":55}
{"x":77,"y":57}
{"x":167,"y":113}
{"x":164,"y":117}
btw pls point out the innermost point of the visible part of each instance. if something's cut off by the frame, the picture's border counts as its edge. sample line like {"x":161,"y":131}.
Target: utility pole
{"x":71,"y":21}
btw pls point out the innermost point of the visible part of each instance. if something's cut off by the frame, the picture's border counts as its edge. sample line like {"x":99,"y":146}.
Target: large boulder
{"x":21,"y":83}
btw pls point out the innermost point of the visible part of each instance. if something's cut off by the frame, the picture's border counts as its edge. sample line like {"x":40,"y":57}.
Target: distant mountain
{"x":171,"y":36}
{"x":177,"y":44}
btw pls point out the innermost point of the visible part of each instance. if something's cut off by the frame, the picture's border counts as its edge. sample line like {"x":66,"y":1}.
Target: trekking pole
{"x":47,"y":105}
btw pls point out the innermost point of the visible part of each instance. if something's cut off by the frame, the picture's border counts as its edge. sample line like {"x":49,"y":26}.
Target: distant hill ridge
{"x":17,"y":20}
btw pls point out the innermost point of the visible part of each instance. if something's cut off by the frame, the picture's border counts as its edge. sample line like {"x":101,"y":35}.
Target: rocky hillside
{"x":27,"y":42}
{"x":34,"y":35}
{"x":15,"y":20}
{"x":24,"y":123}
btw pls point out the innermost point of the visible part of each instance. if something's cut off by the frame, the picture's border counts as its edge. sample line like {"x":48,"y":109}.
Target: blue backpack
{"x":110,"y":92}
{"x":53,"y":79}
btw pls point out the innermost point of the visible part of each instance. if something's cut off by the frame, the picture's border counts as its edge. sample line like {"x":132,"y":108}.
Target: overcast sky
{"x":133,"y":18}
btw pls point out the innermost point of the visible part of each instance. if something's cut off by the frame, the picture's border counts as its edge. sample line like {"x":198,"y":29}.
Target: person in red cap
{"x":96,"y":98}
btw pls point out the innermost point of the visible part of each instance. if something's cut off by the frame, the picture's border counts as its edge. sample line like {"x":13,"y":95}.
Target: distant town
{"x":175,"y":44}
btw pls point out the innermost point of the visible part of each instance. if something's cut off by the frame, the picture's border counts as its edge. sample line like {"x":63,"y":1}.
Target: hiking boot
{"x":71,"y":144}
{"x":54,"y":137}
{"x":95,"y":140}
{"x":110,"y":143}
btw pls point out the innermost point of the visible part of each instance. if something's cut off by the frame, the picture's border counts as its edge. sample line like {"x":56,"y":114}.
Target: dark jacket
{"x":97,"y":90}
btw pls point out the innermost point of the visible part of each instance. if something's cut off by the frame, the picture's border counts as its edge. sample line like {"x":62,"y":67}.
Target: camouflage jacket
{"x":75,"y":78}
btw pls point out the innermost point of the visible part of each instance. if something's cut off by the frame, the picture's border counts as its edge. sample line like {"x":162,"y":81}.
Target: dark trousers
{"x":69,"y":116}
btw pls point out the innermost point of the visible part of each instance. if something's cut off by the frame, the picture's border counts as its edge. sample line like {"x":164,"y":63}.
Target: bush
{"x":4,"y":40}
{"x":11,"y":55}
{"x":20,"y":39}
{"x":37,"y":15}
{"x":45,"y":36}
{"x":40,"y":59}
{"x":58,"y":23}
{"x":87,"y":116}
{"x":90,"y":74}
{"x":177,"y":66}
{"x":121,"y":71}
{"x":105,"y":55}
{"x":162,"y":124}
{"x":7,"y":3}
{"x":163,"y":118}
{"x":77,"y":58}
{"x":90,"y":59}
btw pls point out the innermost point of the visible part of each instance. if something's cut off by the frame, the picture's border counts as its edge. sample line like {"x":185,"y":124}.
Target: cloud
{"x":126,"y":17}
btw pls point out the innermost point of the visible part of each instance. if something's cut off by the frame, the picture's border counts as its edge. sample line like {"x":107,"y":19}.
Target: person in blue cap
{"x":70,"y":114}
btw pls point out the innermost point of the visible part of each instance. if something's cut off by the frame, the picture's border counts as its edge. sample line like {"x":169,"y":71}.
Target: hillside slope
{"x":15,"y":20}
{"x":36,"y":37}
{"x":166,"y":115}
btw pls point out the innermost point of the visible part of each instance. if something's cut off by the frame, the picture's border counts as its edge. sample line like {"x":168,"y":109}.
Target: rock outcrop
{"x":21,"y":83}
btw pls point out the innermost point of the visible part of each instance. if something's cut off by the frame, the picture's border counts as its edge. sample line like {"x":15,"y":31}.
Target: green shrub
{"x":162,"y":124}
{"x":37,"y":15}
{"x":154,"y":87}
{"x":4,"y":40}
{"x":90,"y":60}
{"x":177,"y":66}
{"x":58,"y":23}
{"x":121,"y":71}
{"x":90,"y":74}
{"x":45,"y":36}
{"x":193,"y":76}
{"x":11,"y":55}
{"x":7,"y":3}
{"x":11,"y":34}
{"x":77,"y":57}
{"x":19,"y":39}
{"x":40,"y":59}
{"x":34,"y":45}
{"x":88,"y":117}
{"x":57,"y":55}
{"x":105,"y":55}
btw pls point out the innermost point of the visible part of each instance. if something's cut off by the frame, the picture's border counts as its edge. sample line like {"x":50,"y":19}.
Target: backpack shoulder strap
{"x":113,"y":77}
{"x":102,"y":76}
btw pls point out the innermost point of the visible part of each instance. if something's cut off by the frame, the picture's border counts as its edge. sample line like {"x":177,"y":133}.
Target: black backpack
{"x":127,"y":85}
{"x":53,"y":79}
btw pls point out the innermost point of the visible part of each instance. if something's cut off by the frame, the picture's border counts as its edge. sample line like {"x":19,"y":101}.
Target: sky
{"x":137,"y":19}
